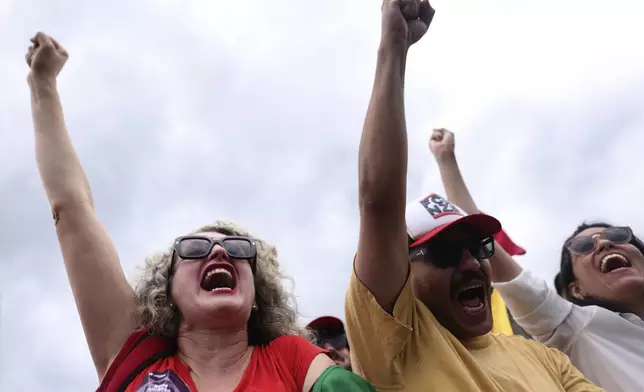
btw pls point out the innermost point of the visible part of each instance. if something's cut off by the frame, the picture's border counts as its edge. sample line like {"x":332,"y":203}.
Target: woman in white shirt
{"x":600,"y":326}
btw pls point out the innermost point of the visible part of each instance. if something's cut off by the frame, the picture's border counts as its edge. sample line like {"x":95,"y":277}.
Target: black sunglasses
{"x":585,"y":244}
{"x":193,"y":247}
{"x":336,"y":341}
{"x":445,"y":255}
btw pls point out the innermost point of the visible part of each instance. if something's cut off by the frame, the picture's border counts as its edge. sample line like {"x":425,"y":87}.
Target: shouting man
{"x":418,"y":304}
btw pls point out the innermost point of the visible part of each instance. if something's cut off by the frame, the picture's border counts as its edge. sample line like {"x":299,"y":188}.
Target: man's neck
{"x":214,"y":352}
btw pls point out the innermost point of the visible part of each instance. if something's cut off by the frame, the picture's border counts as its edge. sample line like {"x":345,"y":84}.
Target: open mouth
{"x":612,"y":262}
{"x":472,"y":297}
{"x":219,"y":277}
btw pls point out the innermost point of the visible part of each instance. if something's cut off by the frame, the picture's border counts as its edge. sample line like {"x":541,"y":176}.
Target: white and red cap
{"x":433,"y":214}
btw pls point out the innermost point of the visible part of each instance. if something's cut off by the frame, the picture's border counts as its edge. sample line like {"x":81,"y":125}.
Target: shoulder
{"x":516,"y":345}
{"x":304,"y":360}
{"x":139,"y":347}
{"x":294,"y":349}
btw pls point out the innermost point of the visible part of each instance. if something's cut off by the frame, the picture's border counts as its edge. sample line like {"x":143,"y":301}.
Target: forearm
{"x":454,"y":183}
{"x":383,"y":147}
{"x":504,"y":267}
{"x":541,"y":311}
{"x":59,"y":166}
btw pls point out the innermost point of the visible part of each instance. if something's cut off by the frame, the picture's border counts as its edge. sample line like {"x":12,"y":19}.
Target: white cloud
{"x":184,"y":112}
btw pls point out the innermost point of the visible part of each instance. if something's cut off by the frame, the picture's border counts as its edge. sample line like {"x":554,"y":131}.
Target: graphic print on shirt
{"x":167,"y":381}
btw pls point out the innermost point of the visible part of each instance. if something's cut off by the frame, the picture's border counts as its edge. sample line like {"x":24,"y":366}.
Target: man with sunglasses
{"x":330,"y":335}
{"x":592,"y":314}
{"x":434,"y":330}
{"x":417,"y":307}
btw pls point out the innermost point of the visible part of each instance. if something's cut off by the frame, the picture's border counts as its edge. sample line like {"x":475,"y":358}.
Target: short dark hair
{"x":566,"y":274}
{"x":559,"y":286}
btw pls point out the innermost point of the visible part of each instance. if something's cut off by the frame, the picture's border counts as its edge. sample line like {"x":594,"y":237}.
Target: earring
{"x":255,"y":308}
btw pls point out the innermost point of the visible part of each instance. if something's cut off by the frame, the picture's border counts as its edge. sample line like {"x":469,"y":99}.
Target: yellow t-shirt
{"x":411,"y":351}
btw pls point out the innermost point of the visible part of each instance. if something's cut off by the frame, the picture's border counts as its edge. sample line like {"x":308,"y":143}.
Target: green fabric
{"x":337,"y":379}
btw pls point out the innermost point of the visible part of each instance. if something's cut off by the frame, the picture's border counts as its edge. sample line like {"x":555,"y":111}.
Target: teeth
{"x":475,"y":309}
{"x":217,"y":271}
{"x":608,"y":257}
{"x":471,"y":286}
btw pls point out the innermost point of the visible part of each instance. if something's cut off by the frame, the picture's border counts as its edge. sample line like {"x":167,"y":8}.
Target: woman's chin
{"x":223,"y":306}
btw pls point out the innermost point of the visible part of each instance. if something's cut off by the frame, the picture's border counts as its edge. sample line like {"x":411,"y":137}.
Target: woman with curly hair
{"x":208,"y":314}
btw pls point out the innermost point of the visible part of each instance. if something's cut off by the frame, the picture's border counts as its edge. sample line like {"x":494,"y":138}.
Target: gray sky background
{"x":188,"y":111}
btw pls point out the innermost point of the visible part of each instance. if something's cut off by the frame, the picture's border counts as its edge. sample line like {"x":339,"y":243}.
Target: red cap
{"x":326,"y":322}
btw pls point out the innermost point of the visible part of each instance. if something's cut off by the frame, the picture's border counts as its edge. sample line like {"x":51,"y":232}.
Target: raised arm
{"x":104,"y":298}
{"x":382,"y":258}
{"x":441,"y":144}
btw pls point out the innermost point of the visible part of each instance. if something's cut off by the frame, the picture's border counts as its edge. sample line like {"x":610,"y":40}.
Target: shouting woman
{"x":209,"y":313}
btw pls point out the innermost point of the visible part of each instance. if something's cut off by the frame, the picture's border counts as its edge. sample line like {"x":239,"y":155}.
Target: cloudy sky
{"x":188,"y":111}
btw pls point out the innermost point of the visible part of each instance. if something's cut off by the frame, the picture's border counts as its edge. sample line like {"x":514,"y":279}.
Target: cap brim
{"x":326,"y":322}
{"x":480,"y":224}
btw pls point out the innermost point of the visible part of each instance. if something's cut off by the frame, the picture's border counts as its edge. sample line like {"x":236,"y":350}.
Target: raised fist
{"x":406,"y":21}
{"x":45,"y":58}
{"x":441,"y":143}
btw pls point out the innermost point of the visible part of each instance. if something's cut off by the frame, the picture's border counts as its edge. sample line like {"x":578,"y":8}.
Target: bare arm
{"x":382,"y":258}
{"x":381,"y":261}
{"x":441,"y":143}
{"x":320,"y":363}
{"x":104,"y":298}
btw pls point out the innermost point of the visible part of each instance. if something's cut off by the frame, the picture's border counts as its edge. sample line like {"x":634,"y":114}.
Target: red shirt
{"x":278,"y":366}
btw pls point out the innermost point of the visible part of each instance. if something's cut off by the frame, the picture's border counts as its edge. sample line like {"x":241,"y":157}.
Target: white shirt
{"x":607,"y":347}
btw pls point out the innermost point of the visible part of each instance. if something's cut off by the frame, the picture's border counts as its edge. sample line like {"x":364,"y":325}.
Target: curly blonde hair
{"x":276,"y":313}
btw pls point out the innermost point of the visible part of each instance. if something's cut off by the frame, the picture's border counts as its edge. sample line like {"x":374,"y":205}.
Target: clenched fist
{"x":45,"y":58}
{"x":406,"y":21}
{"x":441,"y":143}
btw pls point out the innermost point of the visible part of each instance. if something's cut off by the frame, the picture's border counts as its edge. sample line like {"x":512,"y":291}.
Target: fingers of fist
{"x":410,"y":9}
{"x":438,"y":134}
{"x":419,"y":10}
{"x":418,"y":15}
{"x":45,"y":54}
{"x":441,"y":141}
